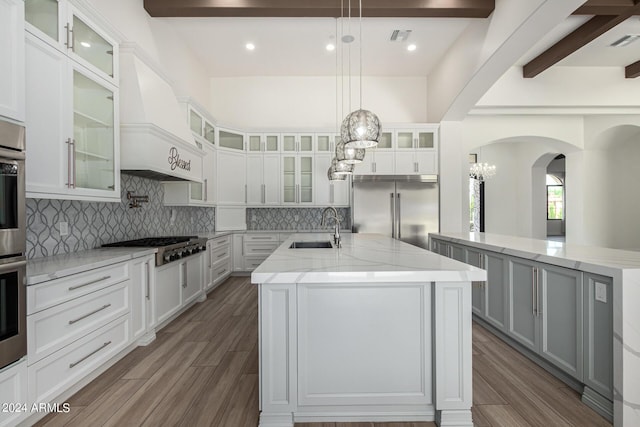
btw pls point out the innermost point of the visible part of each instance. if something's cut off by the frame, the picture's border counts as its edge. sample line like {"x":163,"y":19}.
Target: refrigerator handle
{"x":393,"y":217}
{"x":399,"y":215}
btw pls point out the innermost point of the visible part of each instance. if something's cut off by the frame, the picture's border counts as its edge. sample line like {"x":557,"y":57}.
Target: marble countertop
{"x":43,"y":269}
{"x":213,"y":235}
{"x":586,"y":258}
{"x":371,"y":258}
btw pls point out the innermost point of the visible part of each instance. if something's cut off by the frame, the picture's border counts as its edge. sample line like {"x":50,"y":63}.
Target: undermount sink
{"x":322,"y":244}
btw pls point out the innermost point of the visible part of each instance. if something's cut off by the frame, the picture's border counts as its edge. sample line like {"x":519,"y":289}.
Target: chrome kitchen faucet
{"x":336,"y":233}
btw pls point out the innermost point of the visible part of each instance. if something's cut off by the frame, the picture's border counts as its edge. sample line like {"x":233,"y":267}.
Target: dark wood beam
{"x":632,"y":71}
{"x":605,"y":7}
{"x":589,"y":31}
{"x":319,"y":8}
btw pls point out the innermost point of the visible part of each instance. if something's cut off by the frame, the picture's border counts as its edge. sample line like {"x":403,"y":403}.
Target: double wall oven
{"x":13,"y":301}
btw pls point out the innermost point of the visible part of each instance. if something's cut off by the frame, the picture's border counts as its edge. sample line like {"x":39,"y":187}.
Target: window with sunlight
{"x":555,"y":197}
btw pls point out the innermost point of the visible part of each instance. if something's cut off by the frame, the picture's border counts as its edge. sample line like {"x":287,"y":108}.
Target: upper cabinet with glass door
{"x":297,"y":142}
{"x":62,"y":26}
{"x":201,"y":126}
{"x":417,"y":139}
{"x":263,"y":142}
{"x":230,"y":139}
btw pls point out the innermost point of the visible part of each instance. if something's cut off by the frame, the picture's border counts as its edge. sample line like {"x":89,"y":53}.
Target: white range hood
{"x":155,"y":139}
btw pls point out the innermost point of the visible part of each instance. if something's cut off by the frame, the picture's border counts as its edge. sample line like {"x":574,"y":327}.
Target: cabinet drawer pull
{"x":221,"y":272}
{"x":71,"y":365}
{"x":73,"y":288}
{"x":71,"y":322}
{"x":222,"y":254}
{"x":262,"y":250}
{"x":261,"y":238}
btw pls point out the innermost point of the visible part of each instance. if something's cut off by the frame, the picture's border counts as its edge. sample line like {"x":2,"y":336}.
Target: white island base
{"x":375,"y":331}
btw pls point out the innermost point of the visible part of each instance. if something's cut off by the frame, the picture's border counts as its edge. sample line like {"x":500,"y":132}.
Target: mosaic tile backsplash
{"x":293,"y":219}
{"x":92,"y":224}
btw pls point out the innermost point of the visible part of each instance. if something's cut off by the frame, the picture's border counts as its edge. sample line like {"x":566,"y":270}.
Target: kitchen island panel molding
{"x":377,"y":330}
{"x":622,"y":269}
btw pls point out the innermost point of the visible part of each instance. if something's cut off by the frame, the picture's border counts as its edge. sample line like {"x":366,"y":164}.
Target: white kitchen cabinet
{"x":72,"y":117}
{"x":59,"y":24}
{"x":326,"y":143}
{"x":192,"y":279}
{"x":376,"y":162}
{"x":230,"y":139}
{"x":12,"y":51}
{"x":297,"y":179}
{"x":416,"y":151}
{"x":231,"y":177}
{"x":167,"y":291}
{"x":297,"y":142}
{"x":329,"y":193}
{"x":263,"y":142}
{"x":257,"y":248}
{"x":142,"y":299}
{"x":13,"y":391}
{"x":219,"y":260}
{"x":263,"y":179}
{"x":238,"y":252}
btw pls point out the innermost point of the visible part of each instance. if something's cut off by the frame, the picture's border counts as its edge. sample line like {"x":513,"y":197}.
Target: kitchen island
{"x":377,"y":330}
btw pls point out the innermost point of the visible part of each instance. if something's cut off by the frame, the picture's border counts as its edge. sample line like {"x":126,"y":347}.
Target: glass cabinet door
{"x":44,"y":15}
{"x":231,"y":140}
{"x":209,"y":132}
{"x":306,"y":179}
{"x":289,"y":179}
{"x":195,"y":122}
{"x":306,"y":143}
{"x":255,"y":143}
{"x":196,"y":191}
{"x":92,"y":47}
{"x":323,"y":143}
{"x":289,"y":143}
{"x":272,"y":143}
{"x":93,"y":131}
{"x":405,"y":140}
{"x":385,"y":141}
{"x":425,"y":140}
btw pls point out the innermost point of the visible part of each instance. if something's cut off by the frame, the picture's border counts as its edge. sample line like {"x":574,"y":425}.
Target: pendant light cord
{"x":360,"y":54}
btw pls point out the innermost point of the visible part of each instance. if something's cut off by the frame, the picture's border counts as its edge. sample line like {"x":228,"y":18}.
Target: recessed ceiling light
{"x":250,"y":46}
{"x":331,"y":47}
{"x":85,"y":44}
{"x":411,"y":47}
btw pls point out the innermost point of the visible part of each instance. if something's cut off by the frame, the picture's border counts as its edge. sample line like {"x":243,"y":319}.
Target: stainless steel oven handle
{"x":104,"y":307}
{"x":73,"y":288}
{"x":71,"y":365}
{"x":12,"y":265}
{"x":11,"y":155}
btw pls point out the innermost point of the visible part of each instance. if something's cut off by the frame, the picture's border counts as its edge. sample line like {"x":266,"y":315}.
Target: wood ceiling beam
{"x":319,"y":8}
{"x":586,"y":33}
{"x":632,"y":71}
{"x":605,"y":7}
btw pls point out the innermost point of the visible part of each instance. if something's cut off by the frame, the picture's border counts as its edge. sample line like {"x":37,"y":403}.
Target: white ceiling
{"x":296,"y":46}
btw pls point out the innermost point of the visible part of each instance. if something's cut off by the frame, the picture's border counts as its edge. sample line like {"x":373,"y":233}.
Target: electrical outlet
{"x":64,"y":228}
{"x":601,"y":292}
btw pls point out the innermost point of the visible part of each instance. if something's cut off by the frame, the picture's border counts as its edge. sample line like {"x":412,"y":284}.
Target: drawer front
{"x":220,"y":254}
{"x":252,"y":262}
{"x":221,"y":270}
{"x":50,"y":330}
{"x":57,"y":291}
{"x":54,"y":374}
{"x":261,"y":237}
{"x":263,"y":249}
{"x":220,"y":241}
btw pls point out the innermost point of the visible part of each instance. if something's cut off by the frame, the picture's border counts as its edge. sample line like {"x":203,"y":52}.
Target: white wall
{"x":304,"y":102}
{"x":160,"y":42}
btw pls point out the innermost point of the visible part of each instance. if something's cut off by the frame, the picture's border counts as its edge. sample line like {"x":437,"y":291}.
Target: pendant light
{"x":361,"y":128}
{"x":333,"y":176}
{"x":341,"y":168}
{"x":349,"y":155}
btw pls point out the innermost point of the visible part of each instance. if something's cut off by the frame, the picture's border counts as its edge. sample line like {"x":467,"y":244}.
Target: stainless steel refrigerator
{"x":403,"y":207}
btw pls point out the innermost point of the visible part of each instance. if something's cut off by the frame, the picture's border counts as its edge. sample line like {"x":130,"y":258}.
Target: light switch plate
{"x":64,"y":228}
{"x":601,"y":292}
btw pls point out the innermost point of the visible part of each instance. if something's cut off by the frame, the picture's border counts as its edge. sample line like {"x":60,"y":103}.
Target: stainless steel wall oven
{"x":13,"y":301}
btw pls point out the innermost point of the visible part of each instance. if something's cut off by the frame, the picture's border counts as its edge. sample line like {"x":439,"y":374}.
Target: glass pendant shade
{"x":341,"y":168}
{"x":361,"y":129}
{"x":334,"y":176}
{"x":349,"y":155}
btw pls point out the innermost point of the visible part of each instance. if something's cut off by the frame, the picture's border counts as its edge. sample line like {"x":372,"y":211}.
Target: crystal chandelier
{"x":361,"y":128}
{"x":481,"y":171}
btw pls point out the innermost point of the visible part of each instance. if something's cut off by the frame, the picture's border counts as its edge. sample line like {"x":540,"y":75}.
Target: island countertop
{"x":371,"y":258}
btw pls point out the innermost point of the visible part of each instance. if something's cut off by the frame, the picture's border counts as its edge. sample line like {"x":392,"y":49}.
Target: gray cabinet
{"x":545,"y":312}
{"x":488,"y":299}
{"x":598,"y":335}
{"x":474,"y":257}
{"x":450,"y":250}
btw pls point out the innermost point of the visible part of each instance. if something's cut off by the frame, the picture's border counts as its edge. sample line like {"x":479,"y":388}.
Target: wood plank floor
{"x":202,"y":370}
